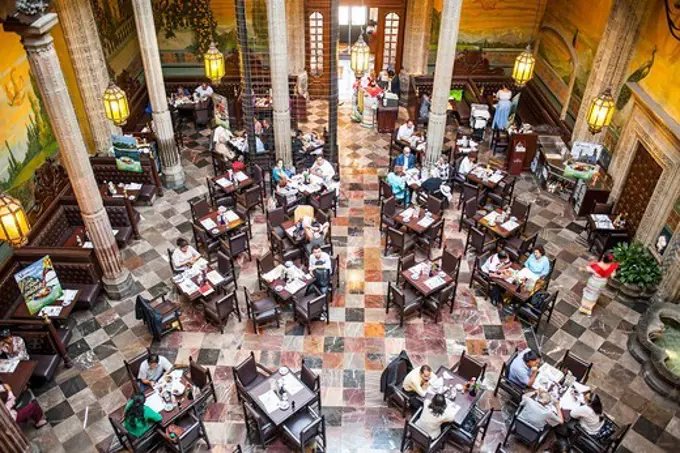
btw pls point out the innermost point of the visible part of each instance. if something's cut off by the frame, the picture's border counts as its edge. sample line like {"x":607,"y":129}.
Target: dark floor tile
{"x":120,"y":376}
{"x":611,"y":350}
{"x":657,"y":414}
{"x":208,"y":356}
{"x":77,"y":348}
{"x":59,"y":413}
{"x":105,"y":349}
{"x":573,"y":328}
{"x":115,"y":328}
{"x":89,"y":326}
{"x":647,"y":429}
{"x":334,"y":344}
{"x":353,"y":379}
{"x":494,"y":332}
{"x":565,"y":308}
{"x":354,"y":314}
{"x":72,"y":386}
{"x":575,"y":227}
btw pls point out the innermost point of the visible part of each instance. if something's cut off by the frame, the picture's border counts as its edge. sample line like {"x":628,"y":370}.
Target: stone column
{"x":173,"y":174}
{"x":443,"y":72}
{"x":295,"y":24}
{"x":45,"y":67}
{"x":278,"y":58}
{"x":416,"y":43}
{"x":87,"y":55}
{"x":611,"y":60}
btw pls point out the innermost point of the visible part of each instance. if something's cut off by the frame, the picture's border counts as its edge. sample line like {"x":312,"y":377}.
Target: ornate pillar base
{"x":120,"y":287}
{"x":173,"y":177}
{"x":436,"y":130}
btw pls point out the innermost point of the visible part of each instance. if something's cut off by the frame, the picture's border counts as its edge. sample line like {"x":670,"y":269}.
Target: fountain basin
{"x":656,"y":344}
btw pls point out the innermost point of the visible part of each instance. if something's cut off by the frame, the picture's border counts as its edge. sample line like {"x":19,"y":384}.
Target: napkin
{"x":231,"y":216}
{"x":295,"y":286}
{"x":510,"y":225}
{"x":240,"y":176}
{"x":292,"y":384}
{"x":133,"y":186}
{"x":434,"y":282}
{"x":215,"y":277}
{"x":208,"y":224}
{"x":496,"y":177}
{"x":154,"y":402}
{"x":426,"y":221}
{"x":224,"y":182}
{"x":270,"y":401}
{"x":188,"y":287}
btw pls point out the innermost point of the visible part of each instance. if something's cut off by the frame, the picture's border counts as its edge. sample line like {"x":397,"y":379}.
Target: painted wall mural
{"x":26,"y":137}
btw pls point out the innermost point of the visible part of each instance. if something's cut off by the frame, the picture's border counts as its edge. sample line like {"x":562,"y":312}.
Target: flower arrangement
{"x":194,"y":14}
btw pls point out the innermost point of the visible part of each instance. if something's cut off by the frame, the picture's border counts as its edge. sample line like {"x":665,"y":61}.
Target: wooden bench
{"x":105,"y":170}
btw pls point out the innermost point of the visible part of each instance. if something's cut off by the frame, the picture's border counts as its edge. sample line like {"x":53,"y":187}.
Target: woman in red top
{"x":600,"y":272}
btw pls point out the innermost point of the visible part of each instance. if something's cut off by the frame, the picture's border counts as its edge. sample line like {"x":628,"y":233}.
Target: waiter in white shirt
{"x":204,"y":90}
{"x":405,"y":132}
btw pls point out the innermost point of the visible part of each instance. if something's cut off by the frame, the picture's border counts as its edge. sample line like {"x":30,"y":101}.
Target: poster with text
{"x":128,"y":160}
{"x":39,"y":284}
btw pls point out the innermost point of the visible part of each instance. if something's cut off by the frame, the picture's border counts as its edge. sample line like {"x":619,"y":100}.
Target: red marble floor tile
{"x":374,"y":362}
{"x":333,"y":360}
{"x":355,"y":344}
{"x":353,"y":397}
{"x":313,"y":345}
{"x":374,"y":301}
{"x":373,"y":276}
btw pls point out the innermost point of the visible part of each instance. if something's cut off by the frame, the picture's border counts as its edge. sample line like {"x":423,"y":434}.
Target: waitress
{"x":500,"y":119}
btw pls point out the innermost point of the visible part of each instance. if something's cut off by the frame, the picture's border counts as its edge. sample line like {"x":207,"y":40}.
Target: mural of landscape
{"x":26,"y":137}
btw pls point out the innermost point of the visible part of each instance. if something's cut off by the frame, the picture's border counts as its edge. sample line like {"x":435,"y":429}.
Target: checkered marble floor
{"x":351,"y":351}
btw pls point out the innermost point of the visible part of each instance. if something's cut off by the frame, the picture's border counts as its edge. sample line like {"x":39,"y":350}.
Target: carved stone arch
{"x":574,"y":61}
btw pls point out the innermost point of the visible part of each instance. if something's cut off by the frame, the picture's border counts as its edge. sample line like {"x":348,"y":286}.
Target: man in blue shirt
{"x":524,"y":368}
{"x":406,"y":159}
{"x":538,"y":263}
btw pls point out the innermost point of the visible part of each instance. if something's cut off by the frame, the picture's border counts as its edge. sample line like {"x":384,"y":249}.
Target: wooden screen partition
{"x":317,"y":46}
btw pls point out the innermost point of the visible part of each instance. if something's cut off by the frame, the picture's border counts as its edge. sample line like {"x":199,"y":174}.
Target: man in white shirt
{"x":540,"y":411}
{"x":494,"y":267}
{"x":405,"y":132}
{"x":467,"y":164}
{"x":184,"y":255}
{"x":152,"y":369}
{"x":204,"y":90}
{"x":320,"y":266}
{"x":416,"y":383}
{"x":323,"y":169}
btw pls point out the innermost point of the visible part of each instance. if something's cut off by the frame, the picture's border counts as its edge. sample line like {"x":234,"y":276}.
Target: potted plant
{"x":639,"y":272}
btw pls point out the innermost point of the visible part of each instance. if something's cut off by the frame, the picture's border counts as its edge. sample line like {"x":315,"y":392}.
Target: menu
{"x":208,"y":224}
{"x":224,"y":182}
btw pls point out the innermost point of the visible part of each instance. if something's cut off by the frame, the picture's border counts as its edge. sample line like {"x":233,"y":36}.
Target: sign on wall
{"x":39,"y":284}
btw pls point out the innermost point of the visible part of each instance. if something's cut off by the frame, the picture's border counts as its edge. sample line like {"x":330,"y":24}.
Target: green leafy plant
{"x":636,"y":265}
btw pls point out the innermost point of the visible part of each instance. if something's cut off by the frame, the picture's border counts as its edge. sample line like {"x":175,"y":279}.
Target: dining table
{"x":85,"y":242}
{"x":240,"y":181}
{"x":267,"y":400}
{"x":505,"y":230}
{"x":19,"y":378}
{"x":285,"y":290}
{"x":419,"y":278}
{"x":131,"y":191}
{"x":511,"y":288}
{"x":604,"y":223}
{"x":218,"y":223}
{"x":192,"y":284}
{"x":66,"y":303}
{"x":486,"y":177}
{"x":418,"y":221}
{"x":446,"y":383}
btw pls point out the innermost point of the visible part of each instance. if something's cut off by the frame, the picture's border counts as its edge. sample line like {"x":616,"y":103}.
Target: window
{"x":316,"y":44}
{"x":359,"y":15}
{"x":343,"y":16}
{"x":391,"y":38}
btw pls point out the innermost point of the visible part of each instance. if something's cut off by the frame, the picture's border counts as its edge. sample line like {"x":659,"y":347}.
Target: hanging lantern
{"x":14,"y":226}
{"x":524,"y":67}
{"x":116,"y":104}
{"x":360,"y":56}
{"x":601,"y":111}
{"x":214,"y":64}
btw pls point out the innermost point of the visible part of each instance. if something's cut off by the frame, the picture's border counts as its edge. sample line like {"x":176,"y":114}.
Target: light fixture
{"x":14,"y":226}
{"x":523,"y":70}
{"x":116,"y":104}
{"x":360,"y":56}
{"x":601,"y":111}
{"x":213,"y":61}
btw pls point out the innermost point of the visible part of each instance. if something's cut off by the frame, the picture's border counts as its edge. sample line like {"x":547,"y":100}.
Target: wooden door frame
{"x":382,"y":15}
{"x":318,"y":86}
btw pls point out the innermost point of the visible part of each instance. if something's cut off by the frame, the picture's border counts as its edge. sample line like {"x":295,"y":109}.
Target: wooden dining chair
{"x":235,"y":245}
{"x":217,"y":197}
{"x":132,"y":368}
{"x":388,"y":209}
{"x":384,"y":189}
{"x":405,"y":262}
{"x":261,"y":310}
{"x":200,"y":208}
{"x":432,"y":304}
{"x":432,"y":237}
{"x":218,"y":307}
{"x":502,"y":195}
{"x":477,"y":241}
{"x":306,"y":427}
{"x":399,"y":241}
{"x":515,"y":391}
{"x":478,"y":276}
{"x":465,"y":436}
{"x":326,"y":202}
{"x":313,"y":382}
{"x":251,"y":199}
{"x":405,"y":299}
{"x":202,"y":379}
{"x":468,"y":191}
{"x":193,"y":430}
{"x":469,"y":368}
{"x":311,"y":306}
{"x":259,"y":429}
{"x":414,"y":436}
{"x":204,"y":243}
{"x":226,"y":268}
{"x":578,"y":367}
{"x":468,"y":213}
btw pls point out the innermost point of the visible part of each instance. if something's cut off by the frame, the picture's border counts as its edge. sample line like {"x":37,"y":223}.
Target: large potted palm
{"x":639,"y":272}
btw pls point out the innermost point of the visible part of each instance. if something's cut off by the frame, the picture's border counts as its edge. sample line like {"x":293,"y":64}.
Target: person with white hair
{"x":538,"y":409}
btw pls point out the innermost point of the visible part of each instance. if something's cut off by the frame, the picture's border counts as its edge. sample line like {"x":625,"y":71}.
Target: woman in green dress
{"x":138,"y":418}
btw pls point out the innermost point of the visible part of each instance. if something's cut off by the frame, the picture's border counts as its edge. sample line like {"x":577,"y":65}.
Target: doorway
{"x":643,"y":177}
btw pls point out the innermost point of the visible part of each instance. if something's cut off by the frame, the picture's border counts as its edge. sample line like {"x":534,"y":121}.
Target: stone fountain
{"x":656,"y":344}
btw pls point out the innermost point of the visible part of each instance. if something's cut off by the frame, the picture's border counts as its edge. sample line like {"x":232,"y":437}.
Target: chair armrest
{"x":265,"y":369}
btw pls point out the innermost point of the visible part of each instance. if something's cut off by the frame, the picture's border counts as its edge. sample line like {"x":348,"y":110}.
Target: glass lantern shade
{"x":523,"y":70}
{"x":601,"y":111}
{"x":14,"y":227}
{"x":213,"y":61}
{"x":116,"y":104}
{"x":360,"y":57}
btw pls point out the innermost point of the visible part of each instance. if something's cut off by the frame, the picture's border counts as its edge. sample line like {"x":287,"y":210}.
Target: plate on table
{"x":442,"y":274}
{"x":178,"y":278}
{"x":215,"y":230}
{"x":168,"y":407}
{"x":278,"y":288}
{"x":284,"y":405}
{"x":459,"y":387}
{"x":283,"y":370}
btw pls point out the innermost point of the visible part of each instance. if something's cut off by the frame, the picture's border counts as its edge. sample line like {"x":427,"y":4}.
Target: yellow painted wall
{"x":663,"y":81}
{"x":498,"y":23}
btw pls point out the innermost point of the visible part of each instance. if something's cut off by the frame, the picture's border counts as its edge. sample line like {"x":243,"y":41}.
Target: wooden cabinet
{"x":387,"y":118}
{"x":586,"y":195}
{"x":530,"y":142}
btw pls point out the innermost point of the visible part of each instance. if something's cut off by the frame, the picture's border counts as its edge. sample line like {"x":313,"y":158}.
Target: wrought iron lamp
{"x":116,"y":104}
{"x":601,"y":111}
{"x":213,"y":61}
{"x":14,"y":227}
{"x":360,"y":57}
{"x":523,"y":70}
